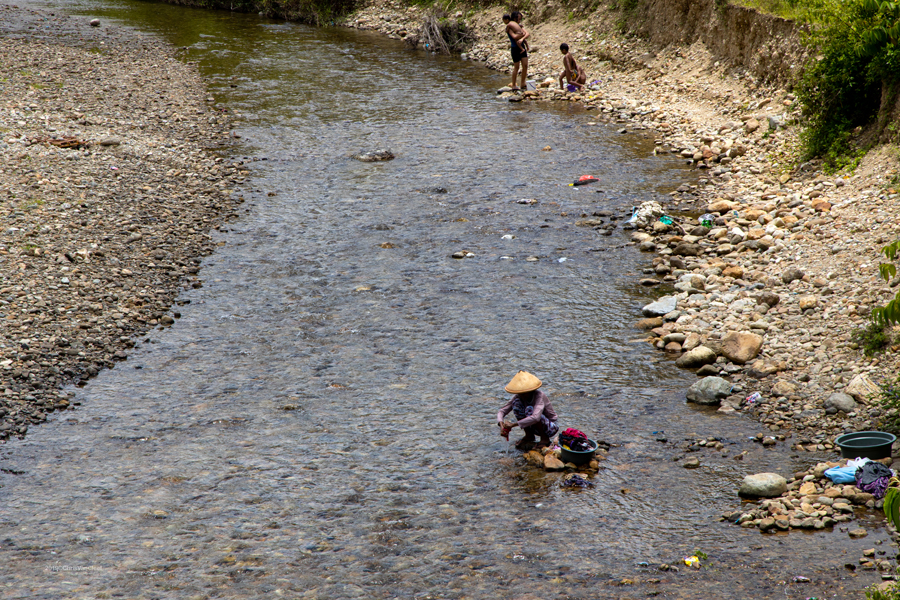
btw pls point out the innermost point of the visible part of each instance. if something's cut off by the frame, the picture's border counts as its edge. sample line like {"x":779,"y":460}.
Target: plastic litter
{"x":633,"y":218}
{"x":708,"y":220}
{"x":666,"y":219}
{"x":754,"y":397}
{"x":692,"y":561}
{"x":584,"y":180}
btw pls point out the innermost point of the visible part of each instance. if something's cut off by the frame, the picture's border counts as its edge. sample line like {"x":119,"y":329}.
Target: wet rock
{"x":551,"y":463}
{"x":374,"y":156}
{"x":858,"y":533}
{"x":741,"y":347}
{"x":709,"y":390}
{"x":661,"y":307}
{"x":691,"y":462}
{"x":763,"y":485}
{"x":650,"y":323}
{"x":699,"y":356}
{"x":95,"y":22}
{"x":840,"y":401}
{"x":535,"y":458}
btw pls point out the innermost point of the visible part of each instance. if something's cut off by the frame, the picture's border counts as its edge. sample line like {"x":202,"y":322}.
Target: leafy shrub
{"x":873,"y":338}
{"x":853,"y":73}
{"x":889,"y":401}
{"x":889,"y":314}
{"x":891,"y":593}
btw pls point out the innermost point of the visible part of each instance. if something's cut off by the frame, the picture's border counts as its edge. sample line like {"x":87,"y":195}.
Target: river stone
{"x":783,"y":388}
{"x":699,"y":356}
{"x":374,"y":156}
{"x":769,"y":298}
{"x":650,"y":323}
{"x":664,"y":305}
{"x":841,"y":401}
{"x":692,"y":462}
{"x":691,"y":341}
{"x":858,"y":533}
{"x":807,"y":302}
{"x":741,"y":347}
{"x":685,"y":249}
{"x":709,"y":390}
{"x":764,"y":368}
{"x":551,"y":463}
{"x":763,"y":485}
{"x":862,"y":388}
{"x":791,"y":274}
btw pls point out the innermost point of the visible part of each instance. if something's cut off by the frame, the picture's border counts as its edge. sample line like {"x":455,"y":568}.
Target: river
{"x":320,"y":421}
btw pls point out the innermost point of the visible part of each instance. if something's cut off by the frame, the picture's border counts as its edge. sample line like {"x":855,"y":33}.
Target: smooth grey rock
{"x":841,"y":401}
{"x":709,"y":390}
{"x":664,"y":305}
{"x":763,"y":485}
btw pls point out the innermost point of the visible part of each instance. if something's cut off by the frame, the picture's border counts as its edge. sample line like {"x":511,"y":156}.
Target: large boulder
{"x":740,"y":346}
{"x":696,"y":358}
{"x":763,"y":485}
{"x":709,"y":390}
{"x":841,"y":401}
{"x":661,"y":307}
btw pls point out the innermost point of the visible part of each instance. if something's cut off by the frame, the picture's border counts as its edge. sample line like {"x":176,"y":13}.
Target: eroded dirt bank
{"x":109,"y":187}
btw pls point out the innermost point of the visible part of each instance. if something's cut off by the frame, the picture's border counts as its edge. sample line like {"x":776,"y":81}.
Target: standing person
{"x":518,"y":47}
{"x":573,"y":73}
{"x":534,"y":413}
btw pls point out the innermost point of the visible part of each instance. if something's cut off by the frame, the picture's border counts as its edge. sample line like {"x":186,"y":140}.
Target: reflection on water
{"x":319,"y":424}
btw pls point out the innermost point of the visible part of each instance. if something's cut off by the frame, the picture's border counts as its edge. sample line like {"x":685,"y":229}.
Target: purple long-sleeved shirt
{"x":541,"y":406}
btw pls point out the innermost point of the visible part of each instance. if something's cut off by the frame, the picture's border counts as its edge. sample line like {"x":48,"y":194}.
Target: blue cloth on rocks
{"x":841,"y":474}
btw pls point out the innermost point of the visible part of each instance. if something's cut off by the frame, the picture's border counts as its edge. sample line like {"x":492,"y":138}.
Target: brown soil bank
{"x":767,"y":46}
{"x":107,"y":197}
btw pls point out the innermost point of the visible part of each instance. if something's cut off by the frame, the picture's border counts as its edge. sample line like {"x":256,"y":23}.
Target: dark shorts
{"x":517,"y":55}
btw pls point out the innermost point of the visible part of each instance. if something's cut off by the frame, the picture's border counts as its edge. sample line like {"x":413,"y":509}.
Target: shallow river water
{"x":320,"y":421}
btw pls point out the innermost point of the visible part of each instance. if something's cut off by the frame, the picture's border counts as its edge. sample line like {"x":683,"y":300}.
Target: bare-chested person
{"x":573,"y":73}
{"x":518,"y":47}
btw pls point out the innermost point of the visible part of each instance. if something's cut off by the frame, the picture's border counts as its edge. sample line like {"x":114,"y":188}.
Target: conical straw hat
{"x":523,"y":382}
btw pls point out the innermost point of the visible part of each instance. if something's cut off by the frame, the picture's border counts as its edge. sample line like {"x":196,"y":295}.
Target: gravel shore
{"x":110,"y":184}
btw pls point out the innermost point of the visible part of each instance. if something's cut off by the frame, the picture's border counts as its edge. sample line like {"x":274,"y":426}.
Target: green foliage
{"x":889,"y":401}
{"x":873,"y":338}
{"x":316,"y":12}
{"x":853,"y":74}
{"x":795,"y":10}
{"x":892,"y":593}
{"x":889,"y":314}
{"x":892,"y":506}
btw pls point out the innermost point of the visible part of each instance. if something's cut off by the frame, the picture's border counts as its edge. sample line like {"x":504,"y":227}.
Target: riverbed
{"x":320,"y":420}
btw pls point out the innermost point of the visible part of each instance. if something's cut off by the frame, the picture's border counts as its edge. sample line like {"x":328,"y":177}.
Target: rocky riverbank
{"x":110,"y":185}
{"x":762,"y":296}
{"x":770,"y":293}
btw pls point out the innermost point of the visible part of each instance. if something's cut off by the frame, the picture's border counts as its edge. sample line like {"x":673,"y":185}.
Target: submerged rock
{"x":375,"y":156}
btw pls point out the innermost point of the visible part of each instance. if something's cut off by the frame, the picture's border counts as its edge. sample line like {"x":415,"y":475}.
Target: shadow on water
{"x":319,"y":423}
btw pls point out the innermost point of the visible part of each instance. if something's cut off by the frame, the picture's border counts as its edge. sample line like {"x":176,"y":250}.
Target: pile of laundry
{"x":866,"y":474}
{"x":573,"y":439}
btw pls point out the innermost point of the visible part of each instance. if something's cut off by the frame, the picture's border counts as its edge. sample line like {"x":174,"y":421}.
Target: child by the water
{"x":534,"y":413}
{"x":573,"y":73}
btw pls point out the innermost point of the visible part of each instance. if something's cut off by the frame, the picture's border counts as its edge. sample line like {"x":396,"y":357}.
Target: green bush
{"x":889,"y":401}
{"x":891,"y":593}
{"x":873,"y":338}
{"x":889,"y":314}
{"x":852,"y":76}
